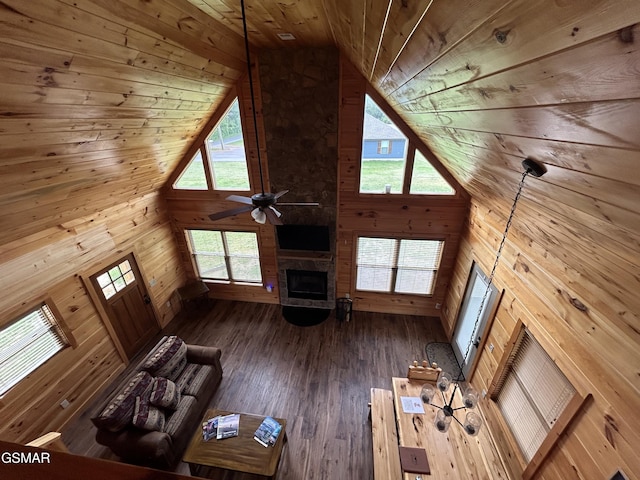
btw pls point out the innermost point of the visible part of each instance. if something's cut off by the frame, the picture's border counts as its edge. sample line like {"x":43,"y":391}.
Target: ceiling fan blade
{"x":279,"y":194}
{"x":240,"y":199}
{"x":272,"y":215}
{"x":276,"y":211}
{"x":301,"y":204}
{"x":230,"y":213}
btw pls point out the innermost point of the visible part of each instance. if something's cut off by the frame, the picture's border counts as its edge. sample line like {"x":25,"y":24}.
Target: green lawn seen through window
{"x":375,"y":174}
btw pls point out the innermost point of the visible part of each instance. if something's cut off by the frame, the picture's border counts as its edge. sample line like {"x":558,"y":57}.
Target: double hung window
{"x":532,"y":393}
{"x":397,"y":265}
{"x":226,"y":256}
{"x":28,"y":342}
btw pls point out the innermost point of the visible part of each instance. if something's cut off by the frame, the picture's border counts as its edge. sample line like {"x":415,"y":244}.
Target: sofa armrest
{"x":203,"y":355}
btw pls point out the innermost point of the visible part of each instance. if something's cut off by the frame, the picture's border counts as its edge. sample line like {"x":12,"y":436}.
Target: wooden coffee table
{"x":241,"y":453}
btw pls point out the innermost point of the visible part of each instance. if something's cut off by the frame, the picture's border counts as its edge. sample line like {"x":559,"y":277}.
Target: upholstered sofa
{"x":154,"y":413}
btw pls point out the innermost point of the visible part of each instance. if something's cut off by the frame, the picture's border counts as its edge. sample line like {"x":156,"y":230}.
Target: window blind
{"x":533,"y":392}
{"x":397,"y":265}
{"x":27,"y":343}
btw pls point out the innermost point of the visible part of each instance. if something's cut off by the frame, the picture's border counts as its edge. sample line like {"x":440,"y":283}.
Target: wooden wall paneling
{"x":605,"y":325}
{"x":542,"y":314}
{"x":438,"y":32}
{"x":596,"y":449}
{"x":582,"y":273}
{"x":521,"y":24}
{"x":49,"y":262}
{"x":391,"y":215}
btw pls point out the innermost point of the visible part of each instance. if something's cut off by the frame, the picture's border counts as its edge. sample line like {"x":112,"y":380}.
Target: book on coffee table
{"x":268,"y":431}
{"x":228,"y":426}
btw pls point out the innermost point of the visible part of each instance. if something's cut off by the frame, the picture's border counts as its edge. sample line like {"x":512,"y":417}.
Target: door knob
{"x":477,"y":342}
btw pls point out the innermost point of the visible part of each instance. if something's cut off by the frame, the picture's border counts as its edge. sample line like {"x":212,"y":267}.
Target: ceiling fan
{"x":261,"y":205}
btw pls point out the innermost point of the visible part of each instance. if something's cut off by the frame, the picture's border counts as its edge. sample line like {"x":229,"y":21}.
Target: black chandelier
{"x":470,"y":397}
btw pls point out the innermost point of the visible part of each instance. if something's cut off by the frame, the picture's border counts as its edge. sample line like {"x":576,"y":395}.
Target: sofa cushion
{"x":119,"y":411}
{"x":199,"y":382}
{"x":168,"y":360}
{"x":177,"y":418}
{"x":164,"y":393}
{"x":187,"y":375}
{"x":147,"y":416}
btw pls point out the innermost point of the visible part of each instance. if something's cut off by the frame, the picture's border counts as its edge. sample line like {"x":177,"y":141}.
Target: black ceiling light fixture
{"x":261,"y":205}
{"x":446,"y":412}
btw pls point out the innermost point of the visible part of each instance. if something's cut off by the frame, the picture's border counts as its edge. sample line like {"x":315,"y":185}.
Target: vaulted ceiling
{"x":100,"y":98}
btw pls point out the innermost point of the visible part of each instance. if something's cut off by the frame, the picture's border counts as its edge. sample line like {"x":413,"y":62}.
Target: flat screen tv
{"x":304,"y":237}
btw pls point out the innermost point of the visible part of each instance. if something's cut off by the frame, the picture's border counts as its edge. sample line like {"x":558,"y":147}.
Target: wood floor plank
{"x":318,"y":378}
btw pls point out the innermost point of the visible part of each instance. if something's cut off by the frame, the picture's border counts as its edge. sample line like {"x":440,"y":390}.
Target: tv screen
{"x":304,"y":237}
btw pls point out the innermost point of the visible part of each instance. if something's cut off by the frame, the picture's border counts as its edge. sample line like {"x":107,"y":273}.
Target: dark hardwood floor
{"x":318,"y":378}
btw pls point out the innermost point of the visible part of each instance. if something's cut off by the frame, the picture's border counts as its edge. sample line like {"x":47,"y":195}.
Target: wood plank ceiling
{"x":99,"y":99}
{"x":97,"y":92}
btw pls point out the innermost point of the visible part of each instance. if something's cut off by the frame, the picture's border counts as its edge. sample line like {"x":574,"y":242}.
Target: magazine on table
{"x":228,"y":426}
{"x":210,"y":428}
{"x":268,"y":432}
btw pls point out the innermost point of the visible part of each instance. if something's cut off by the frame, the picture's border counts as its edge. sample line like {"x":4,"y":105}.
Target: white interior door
{"x":464,"y":333}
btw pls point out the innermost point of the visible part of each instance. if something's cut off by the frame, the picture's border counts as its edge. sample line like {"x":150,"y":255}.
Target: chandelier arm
{"x":455,"y":388}
{"x":459,"y":408}
{"x":253,"y":101}
{"x":493,"y":270}
{"x":459,"y":422}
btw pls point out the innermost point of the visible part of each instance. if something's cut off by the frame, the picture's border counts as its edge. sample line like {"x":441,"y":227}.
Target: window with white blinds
{"x":397,"y":265}
{"x":532,"y":393}
{"x":26,"y":343}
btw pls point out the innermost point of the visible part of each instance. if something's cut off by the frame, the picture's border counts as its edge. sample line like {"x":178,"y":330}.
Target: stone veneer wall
{"x":300,"y":89}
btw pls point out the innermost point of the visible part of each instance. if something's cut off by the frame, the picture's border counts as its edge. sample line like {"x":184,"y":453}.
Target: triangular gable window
{"x":425,"y":180}
{"x":193,"y":176}
{"x":225,"y":148}
{"x":390,"y":163}
{"x":222,"y":158}
{"x":384,"y":152}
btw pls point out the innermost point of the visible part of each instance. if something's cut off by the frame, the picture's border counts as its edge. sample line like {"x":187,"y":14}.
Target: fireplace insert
{"x":307,"y":284}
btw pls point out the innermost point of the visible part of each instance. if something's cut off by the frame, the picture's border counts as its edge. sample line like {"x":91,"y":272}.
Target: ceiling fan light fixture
{"x":259,"y":216}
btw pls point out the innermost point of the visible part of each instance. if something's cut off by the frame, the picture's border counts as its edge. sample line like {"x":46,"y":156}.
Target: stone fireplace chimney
{"x":300,"y":89}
